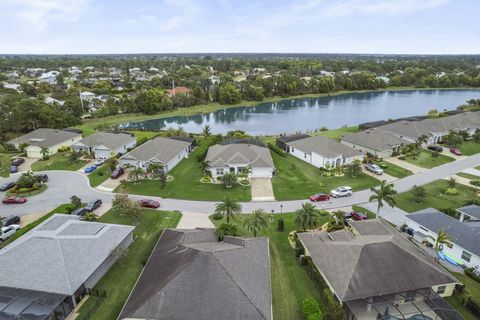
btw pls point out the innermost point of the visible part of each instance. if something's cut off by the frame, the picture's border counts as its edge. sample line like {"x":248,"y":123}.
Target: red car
{"x":320,"y":197}
{"x":455,"y":151}
{"x":358,"y":216}
{"x":148,"y":203}
{"x":13,"y":200}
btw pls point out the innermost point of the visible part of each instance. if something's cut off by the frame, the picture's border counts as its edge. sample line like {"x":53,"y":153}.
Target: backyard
{"x":469,"y":148}
{"x":425,"y":160}
{"x":120,"y":279}
{"x":336,"y":134}
{"x":472,"y":288}
{"x":58,"y":161}
{"x":435,"y":198}
{"x":296,"y":179}
{"x":290,"y":282}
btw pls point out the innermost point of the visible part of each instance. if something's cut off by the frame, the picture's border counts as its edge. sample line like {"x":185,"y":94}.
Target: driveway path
{"x":64,"y":184}
{"x":406,"y":165}
{"x":262,"y":189}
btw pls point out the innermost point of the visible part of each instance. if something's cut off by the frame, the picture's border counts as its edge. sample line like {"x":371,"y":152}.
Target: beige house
{"x":376,"y":142}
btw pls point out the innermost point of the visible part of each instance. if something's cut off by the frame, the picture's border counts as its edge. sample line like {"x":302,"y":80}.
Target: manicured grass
{"x":187,"y":185}
{"x":100,"y":174}
{"x":425,"y":159}
{"x":472,"y":288}
{"x":296,"y":179}
{"x":42,"y":188}
{"x":290,"y":282}
{"x":469,"y":148}
{"x":145,"y":134}
{"x":336,"y":134}
{"x":58,"y":161}
{"x":370,"y":214}
{"x":120,"y":279}
{"x":5,"y":163}
{"x":60,"y":209}
{"x":435,"y":197}
{"x":395,"y":171}
{"x":468,"y":176}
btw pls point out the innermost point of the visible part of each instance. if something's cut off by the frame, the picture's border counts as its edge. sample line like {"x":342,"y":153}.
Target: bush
{"x":277,"y":150}
{"x":401,"y":158}
{"x":100,"y":173}
{"x":450,"y":211}
{"x":450,"y":191}
{"x":473,"y":306}
{"x":470,"y":273}
{"x":311,"y":309}
{"x":281,"y":225}
{"x":141,"y":140}
{"x":64,"y":149}
{"x":383,"y":165}
{"x":217,"y":216}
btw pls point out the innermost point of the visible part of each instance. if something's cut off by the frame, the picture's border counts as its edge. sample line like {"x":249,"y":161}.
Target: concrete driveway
{"x":262,"y":189}
{"x":27,"y":165}
{"x":406,"y":165}
{"x":381,"y":177}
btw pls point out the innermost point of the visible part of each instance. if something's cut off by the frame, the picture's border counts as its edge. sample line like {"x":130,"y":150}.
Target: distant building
{"x":179,"y":91}
{"x":51,"y":101}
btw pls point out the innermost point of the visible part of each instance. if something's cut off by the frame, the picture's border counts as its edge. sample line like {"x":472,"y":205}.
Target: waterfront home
{"x":376,"y":142}
{"x":105,"y":144}
{"x":179,"y":91}
{"x":191,"y":275}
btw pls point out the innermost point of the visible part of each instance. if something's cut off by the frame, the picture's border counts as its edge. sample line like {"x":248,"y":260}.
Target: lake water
{"x":308,"y":114}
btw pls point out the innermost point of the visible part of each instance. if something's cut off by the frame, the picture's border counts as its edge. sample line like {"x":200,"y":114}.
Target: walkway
{"x":406,"y":165}
{"x":473,"y":171}
{"x":262,"y":189}
{"x":460,"y":180}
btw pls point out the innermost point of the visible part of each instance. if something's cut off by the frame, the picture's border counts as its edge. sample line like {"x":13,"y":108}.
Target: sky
{"x":280,"y":26}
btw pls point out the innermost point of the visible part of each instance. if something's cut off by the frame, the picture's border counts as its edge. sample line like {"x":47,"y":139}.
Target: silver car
{"x":374,"y":168}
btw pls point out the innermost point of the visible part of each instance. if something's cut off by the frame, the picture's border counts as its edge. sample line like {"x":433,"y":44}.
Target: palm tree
{"x":337,"y":219}
{"x":421,"y":140}
{"x":205,"y":166}
{"x":90,"y":216}
{"x":154,"y":169}
{"x":256,"y":221}
{"x":383,"y":193}
{"x":206,"y":132}
{"x":307,"y":216}
{"x":45,"y":153}
{"x":228,"y":209}
{"x":229,"y":180}
{"x":135,"y":173}
{"x":442,"y":238}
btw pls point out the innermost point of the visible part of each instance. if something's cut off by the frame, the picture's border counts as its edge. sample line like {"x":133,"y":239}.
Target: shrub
{"x":277,"y":150}
{"x":401,"y":158}
{"x":472,"y":201}
{"x":217,"y":216}
{"x":334,"y":310}
{"x":419,"y":194}
{"x":311,"y":309}
{"x":64,"y":149}
{"x":100,"y":173}
{"x":472,"y":305}
{"x":141,"y":140}
{"x":469,"y":272}
{"x":281,"y":225}
{"x":449,"y":211}
{"x":383,"y":165}
{"x":450,"y":191}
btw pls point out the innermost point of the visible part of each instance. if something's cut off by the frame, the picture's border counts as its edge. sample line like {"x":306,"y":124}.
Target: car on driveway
{"x":435,"y":148}
{"x":117,"y":173}
{"x":14,"y":200}
{"x":358,"y":216}
{"x":90,"y":168}
{"x":373,"y":168}
{"x":9,"y":231}
{"x":79,"y":211}
{"x":7,"y":186}
{"x":93,"y":205}
{"x":320,"y":197}
{"x":42,"y":178}
{"x":99,"y":162}
{"x":13,"y":169}
{"x":455,"y":151}
{"x":341,"y":192}
{"x":11,"y":220}
{"x":17,"y":161}
{"x":149,"y":203}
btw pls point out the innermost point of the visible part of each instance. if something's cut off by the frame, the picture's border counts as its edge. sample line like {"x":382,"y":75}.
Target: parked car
{"x":341,"y":192}
{"x":90,"y":168}
{"x":11,"y":220}
{"x":17,"y":161}
{"x":42,"y":178}
{"x":374,"y":168}
{"x":320,"y":197}
{"x":99,"y":162}
{"x":14,"y":200}
{"x":149,"y":203}
{"x":93,"y":205}
{"x":455,"y":151}
{"x":7,"y":186}
{"x":359,"y":216}
{"x":9,"y":231}
{"x":13,"y":169}
{"x":117,"y":173}
{"x":79,"y":211}
{"x":435,"y":148}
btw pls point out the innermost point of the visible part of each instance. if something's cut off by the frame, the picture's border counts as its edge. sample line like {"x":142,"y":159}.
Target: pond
{"x":312,"y":113}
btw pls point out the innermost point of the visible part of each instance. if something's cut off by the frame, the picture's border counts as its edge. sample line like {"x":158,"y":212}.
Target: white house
{"x":87,"y":96}
{"x":165,"y":151}
{"x":323,"y":152}
{"x":105,"y":144}
{"x":464,"y":247}
{"x":52,"y":101}
{"x":235,"y":158}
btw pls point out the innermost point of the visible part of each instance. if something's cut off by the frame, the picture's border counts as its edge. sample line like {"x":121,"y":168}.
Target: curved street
{"x":63,"y":184}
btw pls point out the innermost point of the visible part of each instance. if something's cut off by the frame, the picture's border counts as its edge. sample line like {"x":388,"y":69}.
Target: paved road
{"x":64,"y":184}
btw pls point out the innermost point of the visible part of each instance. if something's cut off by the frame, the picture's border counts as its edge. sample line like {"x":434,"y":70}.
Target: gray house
{"x":377,"y":142}
{"x":105,"y":144}
{"x":190,"y":275}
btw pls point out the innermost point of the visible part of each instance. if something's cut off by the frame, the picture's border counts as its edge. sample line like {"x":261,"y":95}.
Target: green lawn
{"x":469,"y":148}
{"x":468,"y":175}
{"x":187,"y":185}
{"x":290,"y":282}
{"x":336,"y":133}
{"x":58,"y":161}
{"x":435,"y":198}
{"x":5,"y":163}
{"x":472,"y":288}
{"x":296,"y":179}
{"x":145,"y":134}
{"x":120,"y":279}
{"x":396,"y":171}
{"x":425,"y":159}
{"x":100,"y":174}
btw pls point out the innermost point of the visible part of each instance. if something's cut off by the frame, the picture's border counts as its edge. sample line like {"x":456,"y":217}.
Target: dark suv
{"x":94,"y":205}
{"x":11,"y":220}
{"x":117,"y":173}
{"x":79,"y":212}
{"x":42,"y":178}
{"x":17,"y":161}
{"x":435,"y":148}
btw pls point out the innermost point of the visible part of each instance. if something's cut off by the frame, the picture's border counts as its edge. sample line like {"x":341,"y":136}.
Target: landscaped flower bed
{"x":27,"y":192}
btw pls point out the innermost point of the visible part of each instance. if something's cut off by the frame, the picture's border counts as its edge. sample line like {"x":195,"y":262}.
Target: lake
{"x":309,"y":114}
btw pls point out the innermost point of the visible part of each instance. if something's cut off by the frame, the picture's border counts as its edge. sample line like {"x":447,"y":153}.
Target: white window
{"x":219,"y":171}
{"x":441,"y":289}
{"x":466,"y":256}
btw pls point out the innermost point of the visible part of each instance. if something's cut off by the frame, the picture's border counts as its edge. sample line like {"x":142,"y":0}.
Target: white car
{"x":374,"y":168}
{"x":99,"y":162}
{"x":341,"y":192}
{"x":9,"y":231}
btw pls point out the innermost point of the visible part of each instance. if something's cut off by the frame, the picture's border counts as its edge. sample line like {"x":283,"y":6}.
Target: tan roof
{"x":255,"y":156}
{"x":324,"y":146}
{"x":45,"y":137}
{"x":160,"y":149}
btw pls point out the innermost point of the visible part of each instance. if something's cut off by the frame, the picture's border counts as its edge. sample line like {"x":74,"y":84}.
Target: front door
{"x":232,"y":169}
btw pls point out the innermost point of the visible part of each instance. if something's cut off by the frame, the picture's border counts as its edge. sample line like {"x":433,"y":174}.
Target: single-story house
{"x":235,"y":158}
{"x":51,"y":139}
{"x":105,"y":144}
{"x":323,"y":152}
{"x":165,"y":151}
{"x":464,"y":247}
{"x":470,"y":212}
{"x":284,"y":140}
{"x":191,"y":275}
{"x":375,"y":272}
{"x":376,"y":142}
{"x":56,"y":258}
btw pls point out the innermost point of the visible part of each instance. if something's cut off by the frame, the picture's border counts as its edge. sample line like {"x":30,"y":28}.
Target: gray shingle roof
{"x":376,"y":139}
{"x":465,"y":235}
{"x":110,"y":140}
{"x":190,"y":275}
{"x":324,"y":146}
{"x":255,"y":156}
{"x":379,"y":261}
{"x":44,"y":137}
{"x":58,"y":257}
{"x":160,"y":149}
{"x":471,"y":210}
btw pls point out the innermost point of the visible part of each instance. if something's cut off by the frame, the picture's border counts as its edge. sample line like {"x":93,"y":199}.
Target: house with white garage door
{"x":165,"y":151}
{"x":236,"y":158}
{"x":323,"y":152}
{"x":105,"y":144}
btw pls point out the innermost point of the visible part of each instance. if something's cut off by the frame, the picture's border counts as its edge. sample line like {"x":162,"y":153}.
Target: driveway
{"x":262,"y":189}
{"x":191,"y":220}
{"x":406,"y":165}
{"x":395,"y":216}
{"x":381,"y":177}
{"x":110,"y":184}
{"x":27,"y":165}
